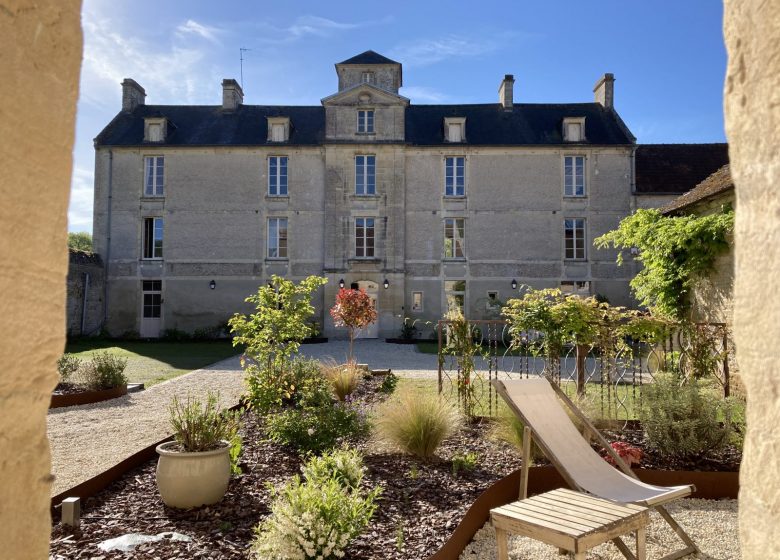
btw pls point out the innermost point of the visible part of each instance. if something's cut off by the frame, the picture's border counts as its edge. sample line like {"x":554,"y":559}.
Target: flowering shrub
{"x":354,"y":311}
{"x":630,"y":454}
{"x":300,"y":383}
{"x":317,"y":517}
{"x":315,"y":429}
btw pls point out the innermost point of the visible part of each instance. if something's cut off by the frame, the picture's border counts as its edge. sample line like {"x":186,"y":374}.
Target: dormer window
{"x":368,"y":78}
{"x":455,"y":129}
{"x":365,"y":122}
{"x":574,"y":129}
{"x":278,"y":129}
{"x":154,"y":129}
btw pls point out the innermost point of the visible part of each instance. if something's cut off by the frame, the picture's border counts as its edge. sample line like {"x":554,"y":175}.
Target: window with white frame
{"x":574,"y":129}
{"x":455,"y":295}
{"x":278,"y":129}
{"x":574,"y":175}
{"x":277,"y":238}
{"x":154,"y":176}
{"x":367,"y":78}
{"x":454,"y":237}
{"x":574,"y":238}
{"x":153,"y":238}
{"x":454,"y":129}
{"x":576,"y":287}
{"x":364,"y":237}
{"x":365,"y":175}
{"x":455,"y":176}
{"x":277,"y":176}
{"x":365,"y":122}
{"x":417,"y":301}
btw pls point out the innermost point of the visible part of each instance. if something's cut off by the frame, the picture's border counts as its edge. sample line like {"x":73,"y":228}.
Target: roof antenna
{"x":241,"y":52}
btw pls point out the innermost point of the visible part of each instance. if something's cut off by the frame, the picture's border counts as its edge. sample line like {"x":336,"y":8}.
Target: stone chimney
{"x":232,"y":95}
{"x":505,"y":94}
{"x":133,"y":94}
{"x":604,"y":91}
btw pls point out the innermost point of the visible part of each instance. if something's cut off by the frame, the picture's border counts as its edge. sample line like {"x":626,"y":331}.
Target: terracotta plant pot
{"x":188,"y":480}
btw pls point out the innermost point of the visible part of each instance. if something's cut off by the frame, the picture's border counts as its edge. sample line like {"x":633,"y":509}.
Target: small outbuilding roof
{"x":714,"y":185}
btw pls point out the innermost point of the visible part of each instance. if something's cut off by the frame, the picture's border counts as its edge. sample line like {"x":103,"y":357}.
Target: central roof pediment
{"x":365,"y":94}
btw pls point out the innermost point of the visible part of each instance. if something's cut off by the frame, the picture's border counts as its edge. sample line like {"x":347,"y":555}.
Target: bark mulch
{"x":421,"y":505}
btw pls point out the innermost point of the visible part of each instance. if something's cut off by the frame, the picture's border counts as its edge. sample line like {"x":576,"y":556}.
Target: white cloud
{"x":424,"y":94}
{"x":310,"y":25}
{"x":204,"y":31}
{"x":81,"y":199}
{"x":430,"y":51}
{"x":166,"y":72}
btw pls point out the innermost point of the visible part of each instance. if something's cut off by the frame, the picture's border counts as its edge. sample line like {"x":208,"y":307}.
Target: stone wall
{"x":41,"y":44}
{"x":85,"y":289}
{"x":752,"y":103}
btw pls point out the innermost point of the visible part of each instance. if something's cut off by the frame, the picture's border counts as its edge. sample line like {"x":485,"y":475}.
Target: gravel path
{"x":711,"y":524}
{"x":404,"y":359}
{"x":87,"y":440}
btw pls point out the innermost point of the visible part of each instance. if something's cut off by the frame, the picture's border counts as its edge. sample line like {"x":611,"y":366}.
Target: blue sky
{"x":668,"y":58}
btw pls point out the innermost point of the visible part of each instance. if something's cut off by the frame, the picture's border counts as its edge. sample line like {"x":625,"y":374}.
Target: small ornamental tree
{"x":274,"y":332}
{"x":354,"y":311}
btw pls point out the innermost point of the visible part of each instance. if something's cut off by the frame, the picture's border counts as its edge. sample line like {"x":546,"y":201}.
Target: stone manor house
{"x":424,"y":206}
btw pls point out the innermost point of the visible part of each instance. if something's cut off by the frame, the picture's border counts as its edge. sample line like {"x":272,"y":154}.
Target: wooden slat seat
{"x":572,"y":521}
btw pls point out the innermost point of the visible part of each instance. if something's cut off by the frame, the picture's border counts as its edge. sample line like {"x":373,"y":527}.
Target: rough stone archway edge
{"x":752,"y":109}
{"x":40,"y":60}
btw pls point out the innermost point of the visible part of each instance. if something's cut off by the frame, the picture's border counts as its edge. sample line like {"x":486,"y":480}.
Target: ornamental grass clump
{"x":202,"y":426}
{"x":317,"y":516}
{"x":343,"y":378}
{"x":417,"y":423}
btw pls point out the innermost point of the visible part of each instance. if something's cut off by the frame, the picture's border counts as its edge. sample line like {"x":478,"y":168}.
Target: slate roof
{"x":369,"y":57}
{"x":198,"y":125}
{"x":676,"y":168}
{"x":717,"y":183}
{"x":486,"y":125}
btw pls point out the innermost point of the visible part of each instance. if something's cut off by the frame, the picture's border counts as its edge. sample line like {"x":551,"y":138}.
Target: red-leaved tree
{"x":354,"y":311}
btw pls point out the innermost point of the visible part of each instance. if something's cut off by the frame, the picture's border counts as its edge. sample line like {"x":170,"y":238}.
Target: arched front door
{"x":372,"y":289}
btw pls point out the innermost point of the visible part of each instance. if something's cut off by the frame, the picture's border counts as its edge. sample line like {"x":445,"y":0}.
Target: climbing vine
{"x":674,"y":251}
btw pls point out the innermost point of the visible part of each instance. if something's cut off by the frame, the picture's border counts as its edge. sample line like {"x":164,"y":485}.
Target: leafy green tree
{"x":674,"y":251}
{"x":80,"y":240}
{"x":274,"y":333}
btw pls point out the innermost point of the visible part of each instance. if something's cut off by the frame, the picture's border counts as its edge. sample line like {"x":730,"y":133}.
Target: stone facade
{"x":216,"y":204}
{"x":86,"y":285}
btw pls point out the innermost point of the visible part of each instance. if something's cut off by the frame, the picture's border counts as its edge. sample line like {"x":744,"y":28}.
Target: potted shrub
{"x":194,"y":469}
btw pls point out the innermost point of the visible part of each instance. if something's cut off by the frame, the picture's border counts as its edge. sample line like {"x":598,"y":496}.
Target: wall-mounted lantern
{"x":212,"y":284}
{"x":341,"y":283}
{"x":514,"y":284}
{"x":386,"y":284}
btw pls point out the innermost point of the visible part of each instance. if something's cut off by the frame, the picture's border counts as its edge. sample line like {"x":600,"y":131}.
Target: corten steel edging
{"x":101,"y":481}
{"x":709,"y":485}
{"x":87,"y":397}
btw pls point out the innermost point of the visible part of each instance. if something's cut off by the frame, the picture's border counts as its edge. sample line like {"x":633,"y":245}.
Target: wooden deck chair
{"x":535,"y":402}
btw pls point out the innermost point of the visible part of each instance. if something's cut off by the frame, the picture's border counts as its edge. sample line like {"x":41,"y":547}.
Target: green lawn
{"x":153,"y":362}
{"x":432,"y":347}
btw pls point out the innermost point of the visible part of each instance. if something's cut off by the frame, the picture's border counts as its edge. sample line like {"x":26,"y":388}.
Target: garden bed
{"x":421,"y":506}
{"x":74,"y":395}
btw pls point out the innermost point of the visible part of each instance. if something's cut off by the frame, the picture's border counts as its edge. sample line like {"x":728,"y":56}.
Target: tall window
{"x":154,"y":177}
{"x":152,"y":292}
{"x":574,"y":238}
{"x":153,"y":238}
{"x":574,"y":175}
{"x":277,"y":175}
{"x":365,"y":175}
{"x":455,"y":176}
{"x":454,"y":235}
{"x":365,"y":121}
{"x":277,"y":238}
{"x":364,"y":237}
{"x":455,"y":293}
